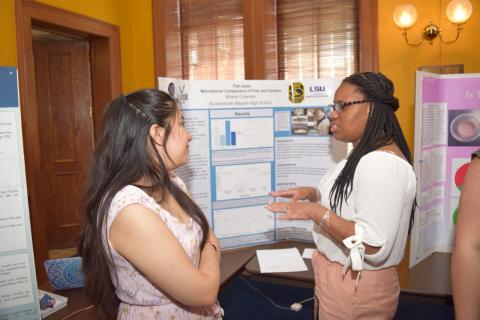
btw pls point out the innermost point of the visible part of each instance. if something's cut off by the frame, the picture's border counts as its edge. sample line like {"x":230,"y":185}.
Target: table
{"x":77,"y":300}
{"x":233,"y":262}
{"x":429,"y":278}
{"x":299,"y":279}
{"x":428,"y":281}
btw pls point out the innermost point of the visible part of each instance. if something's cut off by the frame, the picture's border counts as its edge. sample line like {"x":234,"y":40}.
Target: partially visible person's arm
{"x":466,"y":254}
{"x":142,"y":238}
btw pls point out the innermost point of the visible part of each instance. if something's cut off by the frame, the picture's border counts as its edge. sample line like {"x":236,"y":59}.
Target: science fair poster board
{"x":18,"y":284}
{"x":251,"y":137}
{"x":447,"y":131}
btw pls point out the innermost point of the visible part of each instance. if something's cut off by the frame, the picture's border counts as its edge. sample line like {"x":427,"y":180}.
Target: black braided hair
{"x":381,"y":129}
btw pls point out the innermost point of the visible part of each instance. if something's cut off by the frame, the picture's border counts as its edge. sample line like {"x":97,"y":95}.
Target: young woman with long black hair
{"x":147,"y":250}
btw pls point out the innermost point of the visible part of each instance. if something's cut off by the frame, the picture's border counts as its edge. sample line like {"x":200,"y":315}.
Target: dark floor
{"x":241,"y":302}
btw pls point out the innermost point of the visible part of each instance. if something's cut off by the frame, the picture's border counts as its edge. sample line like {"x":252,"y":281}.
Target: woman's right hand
{"x":296,"y":194}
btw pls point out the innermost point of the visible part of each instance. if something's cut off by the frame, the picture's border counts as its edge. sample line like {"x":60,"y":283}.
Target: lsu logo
{"x":296,"y":92}
{"x":317,"y":88}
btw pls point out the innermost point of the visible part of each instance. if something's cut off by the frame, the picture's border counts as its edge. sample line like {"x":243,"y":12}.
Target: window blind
{"x":212,"y":39}
{"x":317,"y":38}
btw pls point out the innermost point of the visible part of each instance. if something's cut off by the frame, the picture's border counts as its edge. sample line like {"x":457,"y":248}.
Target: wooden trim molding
{"x":166,"y":34}
{"x":104,"y":41}
{"x":260,"y":29}
{"x":368,"y":20}
{"x":159,"y":37}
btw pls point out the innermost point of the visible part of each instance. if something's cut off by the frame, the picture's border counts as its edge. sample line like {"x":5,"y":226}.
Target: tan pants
{"x":375,"y":297}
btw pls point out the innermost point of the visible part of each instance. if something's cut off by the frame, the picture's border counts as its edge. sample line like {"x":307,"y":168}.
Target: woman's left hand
{"x":292,"y":210}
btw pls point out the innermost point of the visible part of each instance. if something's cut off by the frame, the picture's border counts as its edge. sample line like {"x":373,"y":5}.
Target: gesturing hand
{"x":295,"y":194}
{"x":292,"y":210}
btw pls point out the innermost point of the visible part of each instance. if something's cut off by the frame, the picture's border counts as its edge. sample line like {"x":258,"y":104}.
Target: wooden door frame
{"x":105,"y":71}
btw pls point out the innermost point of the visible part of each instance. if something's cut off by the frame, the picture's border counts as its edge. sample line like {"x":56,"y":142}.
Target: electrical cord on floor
{"x":77,"y":312}
{"x":297,"y":306}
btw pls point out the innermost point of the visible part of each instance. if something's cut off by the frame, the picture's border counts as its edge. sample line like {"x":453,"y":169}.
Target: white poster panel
{"x":18,"y":284}
{"x":447,"y":131}
{"x":251,"y":137}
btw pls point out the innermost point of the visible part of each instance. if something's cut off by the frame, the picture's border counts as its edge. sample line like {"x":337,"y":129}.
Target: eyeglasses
{"x":340,"y":105}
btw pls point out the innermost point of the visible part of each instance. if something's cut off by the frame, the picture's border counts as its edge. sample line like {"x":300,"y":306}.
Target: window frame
{"x":259,"y":23}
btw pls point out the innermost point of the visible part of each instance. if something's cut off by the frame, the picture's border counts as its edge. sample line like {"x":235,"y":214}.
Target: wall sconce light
{"x":458,"y":12}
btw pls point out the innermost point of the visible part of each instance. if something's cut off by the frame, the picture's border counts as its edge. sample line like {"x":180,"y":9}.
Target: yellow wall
{"x":396,"y":59}
{"x":399,"y":61}
{"x":8,"y":47}
{"x":134,"y":17}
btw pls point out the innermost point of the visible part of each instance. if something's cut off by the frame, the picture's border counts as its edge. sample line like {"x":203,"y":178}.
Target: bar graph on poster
{"x":251,"y":137}
{"x":242,"y":133}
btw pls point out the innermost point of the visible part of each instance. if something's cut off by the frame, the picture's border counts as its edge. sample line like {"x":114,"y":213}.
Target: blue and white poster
{"x":18,"y":284}
{"x":251,"y":137}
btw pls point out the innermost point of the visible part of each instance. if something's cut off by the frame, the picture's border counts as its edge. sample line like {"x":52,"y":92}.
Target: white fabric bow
{"x":357,"y":252}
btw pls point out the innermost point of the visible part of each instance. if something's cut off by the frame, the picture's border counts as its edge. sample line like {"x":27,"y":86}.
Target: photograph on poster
{"x":464,"y":128}
{"x":310,"y":121}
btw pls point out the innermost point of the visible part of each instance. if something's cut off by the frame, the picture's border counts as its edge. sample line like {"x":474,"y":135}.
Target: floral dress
{"x":139,"y":298}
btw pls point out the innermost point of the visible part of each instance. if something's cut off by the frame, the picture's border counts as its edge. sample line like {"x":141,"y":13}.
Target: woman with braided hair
{"x":362,"y":208}
{"x":147,"y":250}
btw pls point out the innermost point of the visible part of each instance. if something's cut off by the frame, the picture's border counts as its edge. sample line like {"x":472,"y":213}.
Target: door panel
{"x":66,"y":134}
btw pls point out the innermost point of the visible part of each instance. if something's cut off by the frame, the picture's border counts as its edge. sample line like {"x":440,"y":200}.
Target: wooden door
{"x":65,"y":126}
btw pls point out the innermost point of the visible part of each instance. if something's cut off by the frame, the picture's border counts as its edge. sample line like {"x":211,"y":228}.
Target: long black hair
{"x":382,"y":128}
{"x":126,"y":153}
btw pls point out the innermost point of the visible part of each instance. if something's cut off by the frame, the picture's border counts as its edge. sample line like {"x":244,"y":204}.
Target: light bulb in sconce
{"x":405,"y":16}
{"x":458,"y":12}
